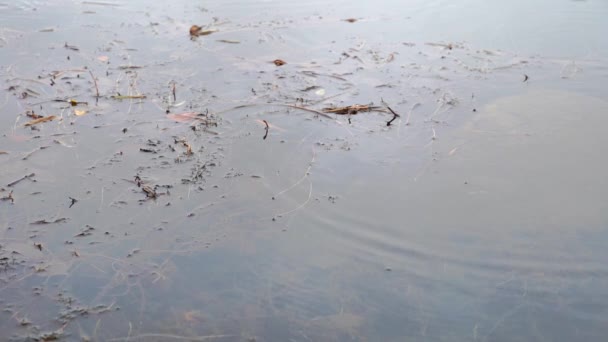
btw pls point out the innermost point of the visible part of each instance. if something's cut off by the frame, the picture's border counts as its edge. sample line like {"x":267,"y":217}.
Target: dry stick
{"x":173,"y":90}
{"x":265,"y":135}
{"x":96,"y":87}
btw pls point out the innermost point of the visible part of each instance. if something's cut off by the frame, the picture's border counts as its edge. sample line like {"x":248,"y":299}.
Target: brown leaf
{"x":196,"y":31}
{"x":350,"y":20}
{"x":279,"y":62}
{"x":40,"y":120}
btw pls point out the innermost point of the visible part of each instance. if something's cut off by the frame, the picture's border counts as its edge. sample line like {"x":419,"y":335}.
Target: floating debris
{"x":40,"y":120}
{"x":279,"y":62}
{"x":196,"y":31}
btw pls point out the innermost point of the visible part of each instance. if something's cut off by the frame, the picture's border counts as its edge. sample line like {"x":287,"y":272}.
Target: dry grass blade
{"x":40,"y":120}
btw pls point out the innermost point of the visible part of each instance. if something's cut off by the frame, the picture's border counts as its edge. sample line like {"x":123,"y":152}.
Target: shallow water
{"x":479,"y":214}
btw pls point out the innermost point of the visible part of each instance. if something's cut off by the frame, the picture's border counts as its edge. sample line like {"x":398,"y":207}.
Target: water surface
{"x":478,"y":215}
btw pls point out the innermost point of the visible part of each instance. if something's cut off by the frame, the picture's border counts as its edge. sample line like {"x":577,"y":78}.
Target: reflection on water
{"x":478,"y":214}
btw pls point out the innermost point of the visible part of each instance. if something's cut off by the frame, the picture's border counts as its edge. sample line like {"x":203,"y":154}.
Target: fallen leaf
{"x":79,"y":112}
{"x":279,"y":62}
{"x":350,"y":20}
{"x":40,"y":120}
{"x":196,"y":31}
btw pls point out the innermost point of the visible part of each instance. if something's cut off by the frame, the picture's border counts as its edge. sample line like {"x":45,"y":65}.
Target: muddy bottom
{"x":303,"y":172}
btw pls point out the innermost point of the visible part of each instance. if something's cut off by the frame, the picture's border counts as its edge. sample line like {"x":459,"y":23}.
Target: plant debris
{"x":88,"y":230}
{"x":59,"y":220}
{"x":13,"y":183}
{"x":352,"y":110}
{"x":9,"y":197}
{"x":279,"y":62}
{"x":196,"y":31}
{"x":266,"y":128}
{"x":40,"y":120}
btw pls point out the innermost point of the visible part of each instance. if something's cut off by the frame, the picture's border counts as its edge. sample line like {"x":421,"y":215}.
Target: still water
{"x":478,"y":214}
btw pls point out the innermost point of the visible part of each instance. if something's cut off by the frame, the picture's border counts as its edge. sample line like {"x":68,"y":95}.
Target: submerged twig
{"x":29,"y":154}
{"x":96,"y":87}
{"x":282,"y":105}
{"x":267,"y":127}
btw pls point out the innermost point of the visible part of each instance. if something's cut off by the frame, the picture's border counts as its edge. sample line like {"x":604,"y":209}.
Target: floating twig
{"x":352,"y":110}
{"x":267,"y":127}
{"x":395,"y":116}
{"x":20,"y":179}
{"x":72,"y":201}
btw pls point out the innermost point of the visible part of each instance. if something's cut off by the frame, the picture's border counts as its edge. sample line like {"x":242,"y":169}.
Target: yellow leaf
{"x":79,"y":112}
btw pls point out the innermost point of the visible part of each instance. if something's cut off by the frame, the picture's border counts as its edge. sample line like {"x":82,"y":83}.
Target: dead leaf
{"x":279,"y":62}
{"x":79,"y":112}
{"x":350,"y":20}
{"x":197,"y":31}
{"x":40,"y":120}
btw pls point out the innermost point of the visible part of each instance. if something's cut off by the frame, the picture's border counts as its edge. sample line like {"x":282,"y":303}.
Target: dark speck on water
{"x":303,"y":170}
